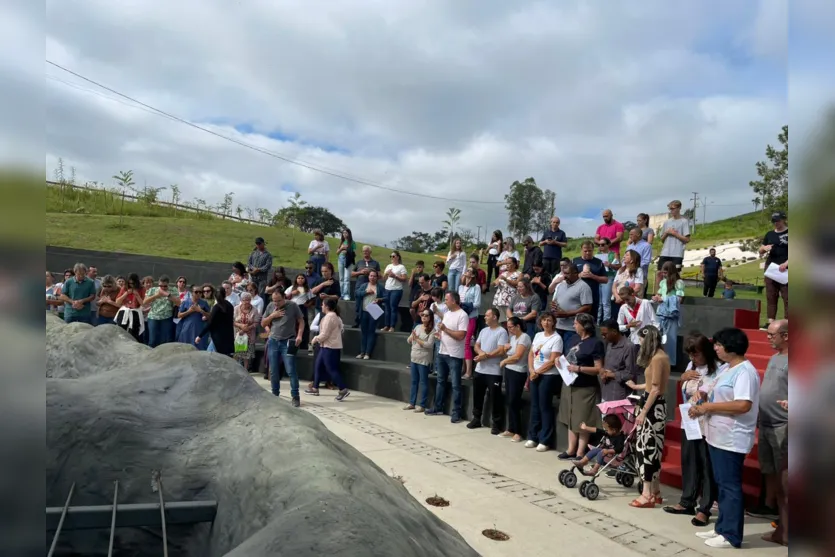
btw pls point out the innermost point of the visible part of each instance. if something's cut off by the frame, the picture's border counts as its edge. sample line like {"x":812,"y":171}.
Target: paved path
{"x":491,"y":482}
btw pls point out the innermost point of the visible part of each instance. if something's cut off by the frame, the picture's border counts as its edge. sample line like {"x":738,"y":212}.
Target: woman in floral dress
{"x":247,"y":318}
{"x":506,"y":286}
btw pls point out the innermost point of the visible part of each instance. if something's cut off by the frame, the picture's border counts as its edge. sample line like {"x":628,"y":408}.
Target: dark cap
{"x":777,"y":216}
{"x":259,"y":240}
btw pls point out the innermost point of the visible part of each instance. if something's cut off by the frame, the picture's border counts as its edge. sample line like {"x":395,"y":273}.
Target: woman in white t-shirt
{"x":456,"y":262}
{"x":494,"y":248}
{"x":318,"y":250}
{"x":515,"y":367}
{"x":395,"y":275}
{"x":544,"y":354}
{"x":731,"y":407}
{"x":509,"y":246}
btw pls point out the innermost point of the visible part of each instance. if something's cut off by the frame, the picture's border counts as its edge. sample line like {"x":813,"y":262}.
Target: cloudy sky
{"x":611,"y":104}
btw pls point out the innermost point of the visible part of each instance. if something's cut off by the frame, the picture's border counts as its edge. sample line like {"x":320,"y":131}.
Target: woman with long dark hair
{"x":515,"y":367}
{"x":395,"y":276}
{"x":696,"y":468}
{"x":318,"y":250}
{"x":494,"y":248}
{"x":130,"y":300}
{"x":545,"y":352}
{"x":191,"y":314}
{"x":239,"y":277}
{"x":278,"y":280}
{"x":652,"y":418}
{"x":330,"y":341}
{"x":220,"y":325}
{"x":422,"y":340}
{"x":346,"y":258}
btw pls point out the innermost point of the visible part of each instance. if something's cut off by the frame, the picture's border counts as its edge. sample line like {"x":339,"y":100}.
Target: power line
{"x":273,"y":154}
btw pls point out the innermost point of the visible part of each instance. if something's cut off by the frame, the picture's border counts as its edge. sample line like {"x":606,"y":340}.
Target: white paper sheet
{"x":568,"y":377}
{"x":692,"y":427}
{"x":773,"y":272}
{"x":602,"y":256}
{"x":375,"y":311}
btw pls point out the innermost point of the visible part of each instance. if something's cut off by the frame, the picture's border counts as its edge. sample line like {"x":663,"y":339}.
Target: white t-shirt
{"x":319,"y":248}
{"x":543,"y":347}
{"x":455,"y":321}
{"x":438,"y":310}
{"x":490,"y":339}
{"x":391,"y":282}
{"x":735,"y":433}
{"x":456,"y":261}
{"x":515,"y":342}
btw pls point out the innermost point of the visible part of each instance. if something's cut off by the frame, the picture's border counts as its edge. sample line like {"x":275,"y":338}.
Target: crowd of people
{"x":597,"y":311}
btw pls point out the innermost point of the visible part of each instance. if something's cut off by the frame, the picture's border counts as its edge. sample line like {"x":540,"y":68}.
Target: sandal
{"x":678,"y":509}
{"x":637,"y":504}
{"x":657,"y":498}
{"x":699,"y":522}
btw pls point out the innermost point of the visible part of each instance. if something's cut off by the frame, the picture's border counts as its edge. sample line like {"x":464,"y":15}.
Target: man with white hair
{"x":78,"y":294}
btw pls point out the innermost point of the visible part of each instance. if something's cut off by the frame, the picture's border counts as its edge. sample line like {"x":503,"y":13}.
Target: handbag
{"x":241,"y":343}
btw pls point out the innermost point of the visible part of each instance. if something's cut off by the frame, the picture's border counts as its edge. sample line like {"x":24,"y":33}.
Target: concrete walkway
{"x":491,"y":482}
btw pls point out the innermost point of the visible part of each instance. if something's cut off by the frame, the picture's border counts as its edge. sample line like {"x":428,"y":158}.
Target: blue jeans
{"x":103,"y":320}
{"x":160,"y":331}
{"x":670,"y":328}
{"x":317,"y":263}
{"x":344,"y":276}
{"x":420,"y":376}
{"x":454,"y":278}
{"x":392,"y":303}
{"x":541,"y":429}
{"x":727,"y":470}
{"x":368,"y":333}
{"x":605,"y":310}
{"x":276,"y":353}
{"x":449,"y":367}
{"x":79,"y":319}
{"x":596,"y":454}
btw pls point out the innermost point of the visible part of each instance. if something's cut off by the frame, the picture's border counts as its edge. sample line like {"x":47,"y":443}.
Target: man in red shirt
{"x":611,"y":229}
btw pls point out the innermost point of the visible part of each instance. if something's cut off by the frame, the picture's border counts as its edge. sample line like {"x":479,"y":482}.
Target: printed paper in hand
{"x":568,"y":377}
{"x":692,"y":427}
{"x":375,"y":311}
{"x":773,"y":272}
{"x":604,"y":257}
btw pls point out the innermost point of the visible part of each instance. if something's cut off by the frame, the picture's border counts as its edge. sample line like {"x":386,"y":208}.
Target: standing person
{"x":232,"y":296}
{"x":620,"y":363}
{"x":776,"y":245}
{"x":507,"y":254}
{"x":533,"y":256}
{"x":107,"y":301}
{"x":395,"y":276}
{"x":369,"y":293}
{"x":631,"y":275}
{"x":318,"y":250}
{"x":257,"y":301}
{"x":494,"y":248}
{"x":470,"y":294}
{"x":506,"y":284}
{"x":260,"y":265}
{"x":439,"y":309}
{"x":652,"y":419}
{"x":327,"y":288}
{"x":360,"y":275}
{"x":668,"y":314}
{"x":525,"y":305}
{"x":696,"y":468}
{"x":161,"y":314}
{"x":414,"y":289}
{"x":130,"y":300}
{"x":489,"y":347}
{"x":552,"y":243}
{"x":728,"y":293}
{"x":453,"y":329}
{"x":578,"y":401}
{"x":711,"y":271}
{"x":220,"y":325}
{"x":283,"y":319}
{"x":247,"y":318}
{"x":675,"y":235}
{"x":647,"y":233}
{"x":611,"y":262}
{"x":92,"y":274}
{"x":643,"y":248}
{"x":421,"y":297}
{"x":611,"y":229}
{"x":438,"y":278}
{"x":238,"y":279}
{"x":191,"y":313}
{"x":422,"y":340}
{"x":545,"y":352}
{"x":731,"y":408}
{"x":593,"y":273}
{"x":634,"y":314}
{"x":456,"y":263}
{"x":346,"y":257}
{"x":773,"y":430}
{"x":540,"y":280}
{"x":572,"y":297}
{"x":480,"y":275}
{"x":515,"y":367}
{"x":330,"y":341}
{"x":279,"y":280}
{"x":78,"y":293}
{"x":68,"y":274}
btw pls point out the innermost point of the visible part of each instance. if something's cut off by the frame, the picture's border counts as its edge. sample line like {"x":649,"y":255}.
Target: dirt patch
{"x":436,"y":501}
{"x":495,"y":535}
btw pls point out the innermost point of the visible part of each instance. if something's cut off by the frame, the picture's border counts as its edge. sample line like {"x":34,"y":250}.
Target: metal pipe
{"x":162,"y":517}
{"x":113,"y":518}
{"x":61,"y":522}
{"x":131,"y":515}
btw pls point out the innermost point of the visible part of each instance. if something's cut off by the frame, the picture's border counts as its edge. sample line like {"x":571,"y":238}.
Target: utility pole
{"x":695,"y":202}
{"x":478,"y":234}
{"x":704,"y":210}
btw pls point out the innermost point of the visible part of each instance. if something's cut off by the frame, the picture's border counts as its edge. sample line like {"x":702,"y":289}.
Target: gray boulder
{"x":285,"y":485}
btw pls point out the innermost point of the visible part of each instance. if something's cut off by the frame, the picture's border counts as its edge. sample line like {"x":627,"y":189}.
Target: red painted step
{"x":674,"y":434}
{"x":671,"y":476}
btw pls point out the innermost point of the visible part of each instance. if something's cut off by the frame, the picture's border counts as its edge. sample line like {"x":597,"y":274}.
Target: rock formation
{"x":117,"y":410}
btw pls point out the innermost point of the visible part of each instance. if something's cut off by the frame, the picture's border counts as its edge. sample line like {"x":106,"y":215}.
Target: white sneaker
{"x":707,"y":535}
{"x":719,"y":542}
{"x":541,"y":448}
{"x":530,"y":444}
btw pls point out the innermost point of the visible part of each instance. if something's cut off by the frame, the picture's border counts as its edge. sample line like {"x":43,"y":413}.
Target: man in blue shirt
{"x":77,"y":294}
{"x":711,"y":273}
{"x":553,"y":240}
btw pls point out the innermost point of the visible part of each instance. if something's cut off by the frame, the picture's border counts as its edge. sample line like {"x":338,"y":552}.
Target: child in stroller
{"x":610,"y":445}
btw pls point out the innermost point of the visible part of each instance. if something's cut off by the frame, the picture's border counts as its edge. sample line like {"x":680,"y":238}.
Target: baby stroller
{"x":624,"y":464}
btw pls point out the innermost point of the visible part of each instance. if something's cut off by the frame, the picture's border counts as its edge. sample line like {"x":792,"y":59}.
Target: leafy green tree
{"x":529,"y":208}
{"x":453,"y":216}
{"x":772,"y":188}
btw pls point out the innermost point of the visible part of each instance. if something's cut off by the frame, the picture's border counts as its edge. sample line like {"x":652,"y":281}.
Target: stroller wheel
{"x":570,"y":480}
{"x":619,"y":478}
{"x":592,"y":492}
{"x":562,"y":476}
{"x":640,"y":487}
{"x":627,"y":480}
{"x":583,"y":487}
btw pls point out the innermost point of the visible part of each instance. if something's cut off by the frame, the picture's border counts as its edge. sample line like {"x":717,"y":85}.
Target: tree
{"x":310,"y":218}
{"x":453,"y":215}
{"x":467,"y":236}
{"x":239,"y":211}
{"x":225,"y":208}
{"x":772,"y":189}
{"x":124,"y":179}
{"x":629,"y":225}
{"x":529,"y":208}
{"x":264,"y":216}
{"x":690,"y":215}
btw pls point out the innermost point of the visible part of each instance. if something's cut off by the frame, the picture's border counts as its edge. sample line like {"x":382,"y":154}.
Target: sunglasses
{"x":425,"y":315}
{"x":392,"y":256}
{"x":180,"y":281}
{"x":207,"y":291}
{"x":196,"y":292}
